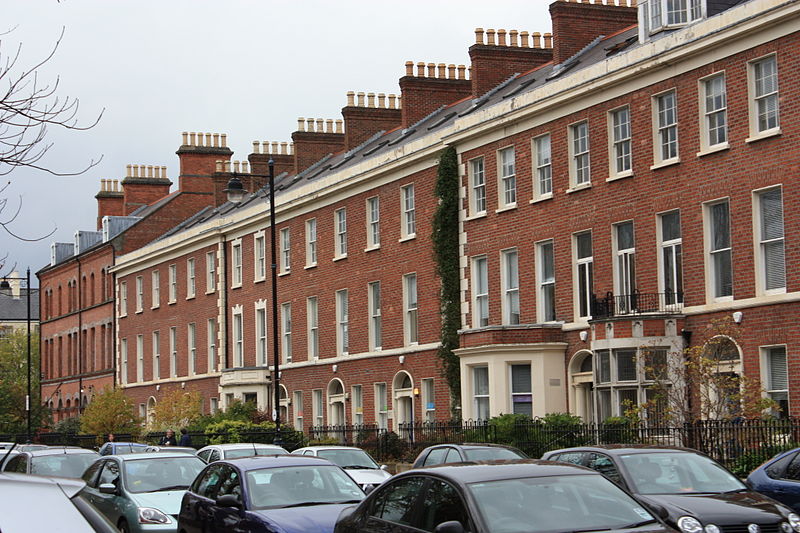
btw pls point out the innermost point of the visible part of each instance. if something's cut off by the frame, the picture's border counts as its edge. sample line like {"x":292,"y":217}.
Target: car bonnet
{"x":168,"y":502}
{"x":746,"y":507}
{"x":316,"y":518}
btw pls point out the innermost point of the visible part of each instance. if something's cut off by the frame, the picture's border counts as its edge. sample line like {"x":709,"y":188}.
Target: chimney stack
{"x":314,"y":139}
{"x":282,"y":154}
{"x":577,"y":23}
{"x":198,"y":155}
{"x":110,"y":200}
{"x":143,"y":185}
{"x":363,"y":120}
{"x":431,"y":87}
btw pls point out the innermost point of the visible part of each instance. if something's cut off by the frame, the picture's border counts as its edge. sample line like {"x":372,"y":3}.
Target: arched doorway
{"x":581,"y":385}
{"x":284,"y":399}
{"x":721,"y":394}
{"x":150,"y":412}
{"x":336,"y":414}
{"x":403,"y":396}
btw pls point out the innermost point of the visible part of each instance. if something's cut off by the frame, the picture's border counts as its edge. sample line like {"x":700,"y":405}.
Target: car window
{"x":678,"y":472}
{"x":204,"y":455}
{"x":777,"y":469}
{"x":62,"y":464}
{"x":453,"y":456}
{"x":17,"y":464}
{"x":793,"y":470}
{"x":90,"y":476}
{"x":105,"y":449}
{"x":308,"y":452}
{"x":206,"y":486}
{"x":396,"y":501}
{"x":436,"y":456}
{"x":109,"y":474}
{"x":442,"y":503}
{"x":214,"y":456}
{"x":489,"y":453}
{"x":575,"y":458}
{"x":603,"y":464}
{"x":230,"y":483}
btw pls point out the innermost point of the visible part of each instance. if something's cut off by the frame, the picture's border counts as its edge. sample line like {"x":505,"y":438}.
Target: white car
{"x":215,"y":452}
{"x":355,"y":461}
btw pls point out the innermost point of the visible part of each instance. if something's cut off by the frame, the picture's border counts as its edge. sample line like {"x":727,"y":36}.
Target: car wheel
{"x":123,"y":527}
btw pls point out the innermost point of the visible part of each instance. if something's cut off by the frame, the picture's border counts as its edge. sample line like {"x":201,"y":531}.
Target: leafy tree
{"x":14,"y":374}
{"x":177,"y":409}
{"x":445,"y":245}
{"x":110,"y":412}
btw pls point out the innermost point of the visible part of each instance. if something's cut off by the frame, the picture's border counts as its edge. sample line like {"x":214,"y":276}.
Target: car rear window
{"x":487,"y":454}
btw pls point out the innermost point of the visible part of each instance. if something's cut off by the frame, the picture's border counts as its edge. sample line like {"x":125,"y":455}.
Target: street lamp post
{"x":5,"y":285}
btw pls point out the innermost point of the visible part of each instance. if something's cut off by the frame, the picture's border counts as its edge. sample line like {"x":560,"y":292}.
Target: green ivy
{"x":445,"y":246}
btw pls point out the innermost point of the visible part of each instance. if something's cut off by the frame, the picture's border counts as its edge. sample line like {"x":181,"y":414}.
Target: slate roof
{"x":16,"y":309}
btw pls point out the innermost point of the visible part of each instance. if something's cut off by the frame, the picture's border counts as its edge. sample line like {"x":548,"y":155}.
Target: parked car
{"x":285,"y":493}
{"x":355,"y":461}
{"x":216,"y":452}
{"x":34,"y":503}
{"x":141,"y":492}
{"x":456,"y":453}
{"x":779,"y":478}
{"x":121,"y":448}
{"x":21,"y":447}
{"x":691,"y":491}
{"x":509,"y":496}
{"x":52,"y":461}
{"x":171,"y":449}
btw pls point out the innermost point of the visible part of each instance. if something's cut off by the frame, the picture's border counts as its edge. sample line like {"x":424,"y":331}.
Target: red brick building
{"x":624,"y":181}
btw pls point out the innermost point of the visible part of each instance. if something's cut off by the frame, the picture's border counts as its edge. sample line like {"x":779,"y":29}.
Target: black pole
{"x":28,"y":397}
{"x":276,"y":379}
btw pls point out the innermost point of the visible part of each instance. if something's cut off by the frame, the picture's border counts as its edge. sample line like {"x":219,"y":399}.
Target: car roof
{"x":150,"y":455}
{"x":625,"y":449}
{"x":258,"y":462}
{"x":115,"y":443}
{"x":70,"y":486}
{"x":60,"y":450}
{"x":477,"y":471}
{"x":331,"y":447}
{"x":240,"y":445}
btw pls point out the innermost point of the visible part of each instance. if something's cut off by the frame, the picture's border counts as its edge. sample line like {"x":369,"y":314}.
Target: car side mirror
{"x":368,"y":488}
{"x":107,"y":488}
{"x":451,"y":526}
{"x":229,"y":500}
{"x":659,"y":510}
{"x":384,"y":468}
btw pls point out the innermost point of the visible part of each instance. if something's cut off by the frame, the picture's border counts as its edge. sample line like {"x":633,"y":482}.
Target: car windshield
{"x":678,"y":473}
{"x":63,"y":465}
{"x":297,"y":486}
{"x":348,"y":458}
{"x":489,"y":453}
{"x":556,"y":503}
{"x":155,"y":474}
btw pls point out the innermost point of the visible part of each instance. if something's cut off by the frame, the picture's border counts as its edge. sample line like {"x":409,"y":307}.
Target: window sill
{"x":476,"y":216}
{"x":763,"y":135}
{"x":307,"y":267}
{"x":708,"y":150}
{"x":139,"y":311}
{"x":190,"y":297}
{"x":542,"y":198}
{"x":172,"y":302}
{"x":666,"y":163}
{"x":123,"y":315}
{"x":211,"y":291}
{"x":286,"y":273}
{"x":239,"y":286}
{"x":509,"y":207}
{"x":407,"y":238}
{"x":372,"y":248}
{"x":339,"y":258}
{"x":620,"y":176}
{"x":155,"y":307}
{"x":581,"y":187}
{"x":260,"y":280}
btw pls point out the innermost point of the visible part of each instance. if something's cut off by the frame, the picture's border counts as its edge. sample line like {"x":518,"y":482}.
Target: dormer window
{"x":658,"y":15}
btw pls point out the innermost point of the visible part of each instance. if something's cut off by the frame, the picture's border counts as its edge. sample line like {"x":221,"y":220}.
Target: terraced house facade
{"x":624,"y":182}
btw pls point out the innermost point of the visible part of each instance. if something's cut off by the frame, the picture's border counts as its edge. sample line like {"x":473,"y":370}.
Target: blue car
{"x":779,"y":478}
{"x":277,"y":494}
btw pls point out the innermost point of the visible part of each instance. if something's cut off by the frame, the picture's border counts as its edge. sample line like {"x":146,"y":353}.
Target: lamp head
{"x":235,"y":190}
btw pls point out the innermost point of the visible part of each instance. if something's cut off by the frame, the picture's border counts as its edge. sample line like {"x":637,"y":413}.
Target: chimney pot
{"x":208,"y":139}
{"x":370,"y":99}
{"x":256,"y":147}
{"x":224,"y":139}
{"x":409,"y":68}
{"x":523,"y":37}
{"x":274,"y":149}
{"x":309,"y":124}
{"x":185,"y":137}
{"x":513,"y":36}
{"x":451,"y":71}
{"x":245,"y":167}
{"x":192,"y":138}
{"x":501,"y":37}
{"x":226,"y":165}
{"x":420,"y":69}
{"x":135,"y":171}
{"x":128,"y":171}
{"x":441,"y":67}
{"x":392,"y":102}
{"x":219,"y":165}
{"x":329,"y":124}
{"x":351,"y":96}
{"x":548,"y":40}
{"x":461,"y":70}
{"x":283,"y":147}
{"x":236,"y":167}
{"x":149,"y":171}
{"x":301,"y":124}
{"x":431,"y":70}
{"x":360,"y":99}
{"x":216,"y":140}
{"x":381,"y":100}
{"x":116,"y":185}
{"x":264,"y":147}
{"x":537,"y":39}
{"x":291,"y":148}
{"x":339,"y":126}
{"x":490,"y":33}
{"x":319,"y":125}
{"x":164,"y":172}
{"x":478,"y":35}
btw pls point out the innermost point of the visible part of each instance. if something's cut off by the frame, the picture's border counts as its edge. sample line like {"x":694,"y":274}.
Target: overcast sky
{"x":245,"y":68}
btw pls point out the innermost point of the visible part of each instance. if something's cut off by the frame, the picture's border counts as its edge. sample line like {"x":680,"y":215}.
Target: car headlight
{"x":786,"y":528}
{"x":690,"y":524}
{"x":794,"y":521}
{"x":148,"y":515}
{"x":711,"y":528}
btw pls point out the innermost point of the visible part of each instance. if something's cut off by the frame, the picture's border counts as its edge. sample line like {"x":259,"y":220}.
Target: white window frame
{"x":408,"y":215}
{"x":762,"y":243}
{"x":260,"y":256}
{"x":624,"y":266}
{"x":173,"y":283}
{"x":286,"y":251}
{"x":513,"y":394}
{"x":236,"y":263}
{"x":673,"y":247}
{"x":506,"y":178}
{"x":542,"y":158}
{"x":312,"y":325}
{"x":191,"y":345}
{"x":381,"y":405}
{"x":238,"y":337}
{"x":286,"y":332}
{"x":297,"y":403}
{"x":758,"y":95}
{"x":211,"y":272}
{"x":357,"y":393}
{"x":340,"y":226}
{"x":191,"y":281}
{"x":768,"y":379}
{"x":375,"y":329}
{"x":311,"y":242}
{"x":155,"y":294}
{"x":410,"y":309}
{"x":479,"y":398}
{"x":620,"y":144}
{"x":373,"y":222}
{"x":712,"y":273}
{"x":211,"y":330}
{"x":477,"y":187}
{"x":583,"y":268}
{"x":173,"y":352}
{"x":656,"y":15}
{"x":123,"y":299}
{"x":156,"y":355}
{"x":261,"y":333}
{"x":665,"y":127}
{"x":342,"y":323}
{"x":580,"y":162}
{"x":480,"y":291}
{"x":509,"y":280}
{"x":317,"y":407}
{"x":139,"y":358}
{"x":713,"y":113}
{"x":545,"y":281}
{"x":428,"y":399}
{"x":139,"y":294}
{"x":123,"y":357}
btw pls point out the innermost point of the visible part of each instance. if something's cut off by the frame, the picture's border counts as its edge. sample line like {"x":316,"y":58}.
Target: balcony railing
{"x":638,"y":303}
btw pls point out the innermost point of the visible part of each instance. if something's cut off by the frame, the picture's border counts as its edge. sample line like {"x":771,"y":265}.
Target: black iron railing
{"x":638,"y":303}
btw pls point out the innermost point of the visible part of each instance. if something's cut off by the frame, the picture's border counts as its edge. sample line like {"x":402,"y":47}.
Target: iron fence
{"x":637,"y":303}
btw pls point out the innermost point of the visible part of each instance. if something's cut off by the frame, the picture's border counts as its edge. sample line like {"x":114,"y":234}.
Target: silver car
{"x":356,"y":462}
{"x":216,"y":452}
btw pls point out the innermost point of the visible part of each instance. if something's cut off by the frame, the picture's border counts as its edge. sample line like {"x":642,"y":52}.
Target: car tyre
{"x":123,"y":527}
